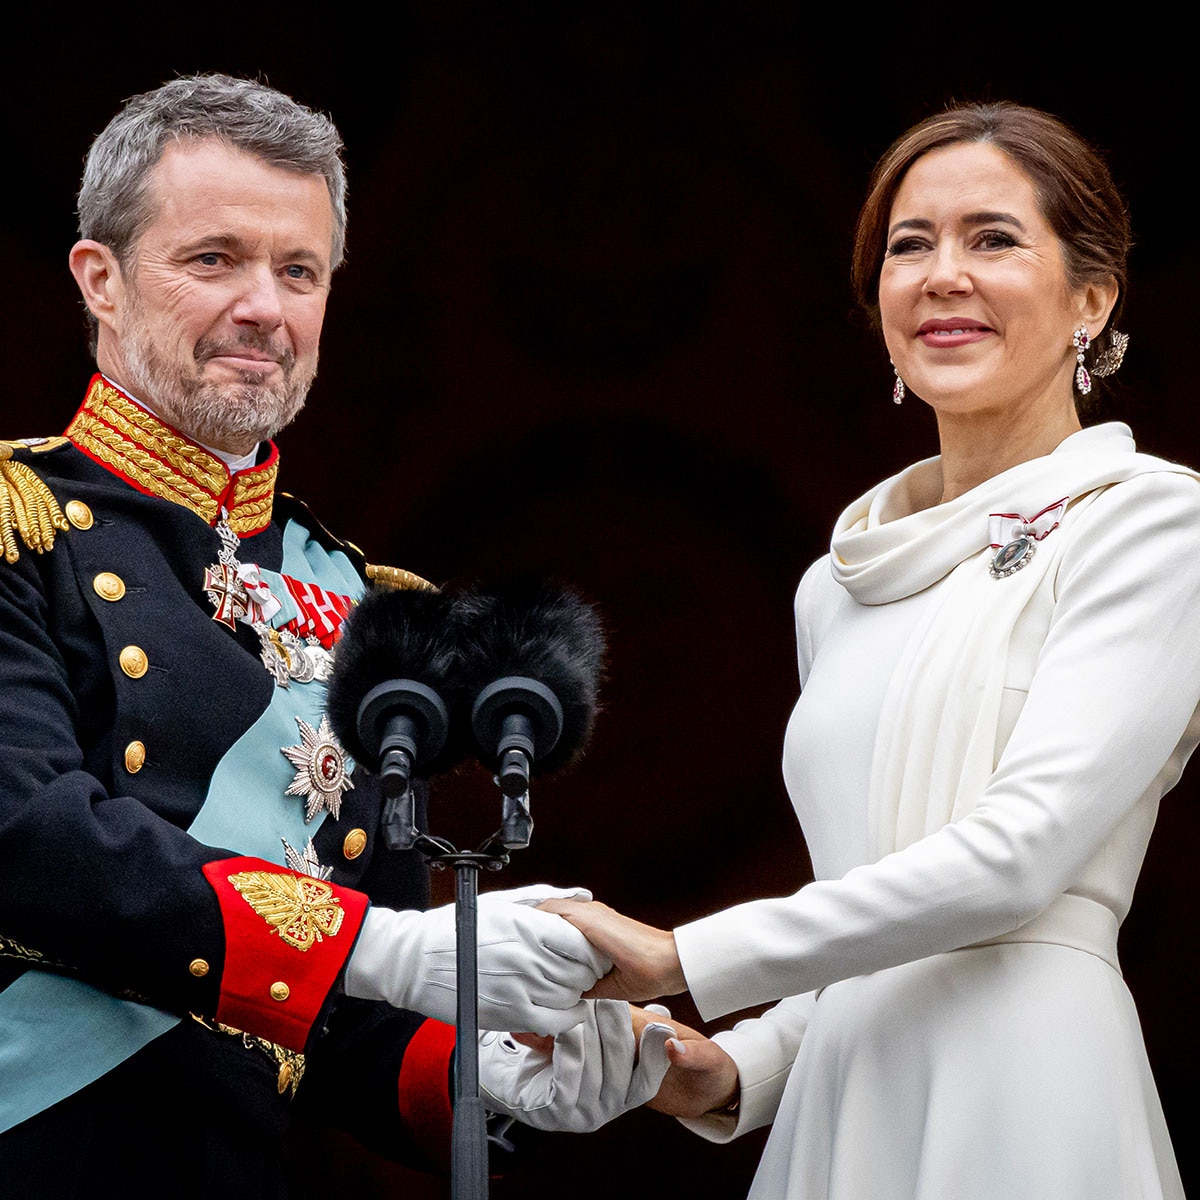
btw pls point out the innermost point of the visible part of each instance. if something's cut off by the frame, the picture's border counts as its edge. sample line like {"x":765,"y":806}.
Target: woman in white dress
{"x":1000,"y":672}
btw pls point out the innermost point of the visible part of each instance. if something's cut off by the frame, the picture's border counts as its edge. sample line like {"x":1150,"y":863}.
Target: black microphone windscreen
{"x":542,"y":631}
{"x":393,"y":634}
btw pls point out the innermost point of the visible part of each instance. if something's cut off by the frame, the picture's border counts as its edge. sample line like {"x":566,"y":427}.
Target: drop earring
{"x":898,"y":388}
{"x":1080,"y":340}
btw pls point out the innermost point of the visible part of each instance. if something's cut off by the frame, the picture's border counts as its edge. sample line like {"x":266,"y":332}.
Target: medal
{"x":321,"y":774}
{"x":237,"y":593}
{"x":305,"y":862}
{"x":1012,"y":558}
{"x":287,"y":657}
{"x":226,"y":591}
{"x":1014,"y":537}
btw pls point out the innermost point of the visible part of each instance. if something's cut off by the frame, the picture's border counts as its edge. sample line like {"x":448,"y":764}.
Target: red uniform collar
{"x":151,"y":456}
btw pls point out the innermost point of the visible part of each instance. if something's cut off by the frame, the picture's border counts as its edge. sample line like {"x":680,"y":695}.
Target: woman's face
{"x":976,"y":310}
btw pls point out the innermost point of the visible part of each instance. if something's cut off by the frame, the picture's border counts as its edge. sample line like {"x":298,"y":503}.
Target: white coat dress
{"x":977,"y":764}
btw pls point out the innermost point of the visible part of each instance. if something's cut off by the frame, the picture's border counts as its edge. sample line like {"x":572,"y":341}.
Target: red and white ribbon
{"x":321,"y":612}
{"x":263,"y":604}
{"x":1007,"y":527}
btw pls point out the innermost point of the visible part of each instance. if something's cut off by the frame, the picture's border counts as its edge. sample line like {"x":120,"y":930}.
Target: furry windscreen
{"x":393,"y":635}
{"x":541,"y":631}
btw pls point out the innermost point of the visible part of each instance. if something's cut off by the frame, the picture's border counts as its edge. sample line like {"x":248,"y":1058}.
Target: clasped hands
{"x":701,"y":1077}
{"x":604,"y":1057}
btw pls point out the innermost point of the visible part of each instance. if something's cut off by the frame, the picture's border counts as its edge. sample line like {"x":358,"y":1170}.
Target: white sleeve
{"x":1108,"y":719}
{"x":764,"y":1050}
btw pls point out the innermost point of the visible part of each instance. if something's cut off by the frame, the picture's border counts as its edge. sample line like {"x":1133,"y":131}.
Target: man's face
{"x":217,"y":313}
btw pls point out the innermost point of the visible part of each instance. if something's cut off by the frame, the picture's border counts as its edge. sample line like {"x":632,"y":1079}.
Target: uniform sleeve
{"x":98,"y":885}
{"x":1109,"y":718}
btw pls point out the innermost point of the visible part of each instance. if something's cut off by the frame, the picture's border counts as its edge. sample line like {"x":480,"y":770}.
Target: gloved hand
{"x":588,"y":1079}
{"x":532,"y":965}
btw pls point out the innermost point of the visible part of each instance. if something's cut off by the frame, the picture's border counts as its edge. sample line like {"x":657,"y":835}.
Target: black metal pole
{"x":468,"y":1161}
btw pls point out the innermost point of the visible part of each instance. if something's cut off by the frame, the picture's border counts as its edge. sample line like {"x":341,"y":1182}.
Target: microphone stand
{"x":469,"y":1141}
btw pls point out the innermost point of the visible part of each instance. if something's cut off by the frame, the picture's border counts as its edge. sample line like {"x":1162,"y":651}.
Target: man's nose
{"x":258,"y":301}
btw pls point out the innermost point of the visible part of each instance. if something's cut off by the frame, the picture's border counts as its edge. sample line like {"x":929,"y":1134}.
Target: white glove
{"x":532,"y":965}
{"x":588,"y":1080}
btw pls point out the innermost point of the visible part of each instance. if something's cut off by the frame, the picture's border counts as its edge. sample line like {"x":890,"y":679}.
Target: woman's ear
{"x":1096,"y":301}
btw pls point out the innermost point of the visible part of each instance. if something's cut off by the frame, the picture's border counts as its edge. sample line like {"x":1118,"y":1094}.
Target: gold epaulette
{"x":27,"y":505}
{"x":398,"y":579}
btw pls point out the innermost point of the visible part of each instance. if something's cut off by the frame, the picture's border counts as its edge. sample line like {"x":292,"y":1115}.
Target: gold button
{"x":285,"y":1077}
{"x":198,"y":967}
{"x":108,"y":586}
{"x":135,"y":757}
{"x":280,"y":991}
{"x":355,"y":843}
{"x":134,"y":662}
{"x":79,"y":514}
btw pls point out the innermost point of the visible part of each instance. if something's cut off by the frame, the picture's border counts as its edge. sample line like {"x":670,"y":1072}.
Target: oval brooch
{"x":1010,"y":559}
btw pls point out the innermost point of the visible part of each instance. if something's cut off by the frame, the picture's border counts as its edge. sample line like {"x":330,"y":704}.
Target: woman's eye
{"x":906,"y":245}
{"x":995,"y":239}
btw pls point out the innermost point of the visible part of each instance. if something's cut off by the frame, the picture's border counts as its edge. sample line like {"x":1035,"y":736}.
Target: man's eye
{"x":211,"y":259}
{"x":295,"y":271}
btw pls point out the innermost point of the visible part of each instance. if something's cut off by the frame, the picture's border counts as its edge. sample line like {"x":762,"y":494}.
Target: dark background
{"x":595,"y":322}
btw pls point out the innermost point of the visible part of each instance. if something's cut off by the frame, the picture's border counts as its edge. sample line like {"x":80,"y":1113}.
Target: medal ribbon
{"x":1007,"y":527}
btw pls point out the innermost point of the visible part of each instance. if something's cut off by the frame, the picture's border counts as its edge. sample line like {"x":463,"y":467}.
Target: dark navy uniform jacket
{"x":119,"y":698}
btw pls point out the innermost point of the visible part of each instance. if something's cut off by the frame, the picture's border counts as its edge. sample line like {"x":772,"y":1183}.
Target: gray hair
{"x":114,"y":204}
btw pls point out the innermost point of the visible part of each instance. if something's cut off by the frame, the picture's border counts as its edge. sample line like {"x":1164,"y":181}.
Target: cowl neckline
{"x":896,"y":540}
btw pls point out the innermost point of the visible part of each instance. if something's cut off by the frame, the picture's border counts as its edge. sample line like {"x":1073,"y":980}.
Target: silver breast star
{"x":321,"y":774}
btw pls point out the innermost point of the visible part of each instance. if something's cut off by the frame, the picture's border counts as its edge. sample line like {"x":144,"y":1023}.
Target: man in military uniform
{"x":195,"y":908}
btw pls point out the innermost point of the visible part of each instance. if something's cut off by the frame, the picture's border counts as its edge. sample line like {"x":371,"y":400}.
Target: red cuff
{"x":287,"y":937}
{"x":425,"y":1105}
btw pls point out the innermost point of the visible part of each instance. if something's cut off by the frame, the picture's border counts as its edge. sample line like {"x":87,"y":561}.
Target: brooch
{"x":1015,"y":538}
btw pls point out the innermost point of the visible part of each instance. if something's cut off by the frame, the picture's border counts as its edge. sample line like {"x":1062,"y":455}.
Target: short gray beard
{"x":220,"y":415}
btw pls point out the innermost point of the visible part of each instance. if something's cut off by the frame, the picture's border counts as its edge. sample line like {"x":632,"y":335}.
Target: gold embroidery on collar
{"x":137,"y":446}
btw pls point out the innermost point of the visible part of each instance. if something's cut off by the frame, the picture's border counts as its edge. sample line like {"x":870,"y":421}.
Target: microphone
{"x":532,"y":656}
{"x":396,"y":674}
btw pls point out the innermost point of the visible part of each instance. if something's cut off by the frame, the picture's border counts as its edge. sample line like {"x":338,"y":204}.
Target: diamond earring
{"x":1081,"y":340}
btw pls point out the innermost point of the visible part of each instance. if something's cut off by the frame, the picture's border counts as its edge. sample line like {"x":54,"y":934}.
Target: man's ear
{"x":98,"y":275}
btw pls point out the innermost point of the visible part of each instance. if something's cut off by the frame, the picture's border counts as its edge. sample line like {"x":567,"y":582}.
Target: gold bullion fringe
{"x":28,"y":506}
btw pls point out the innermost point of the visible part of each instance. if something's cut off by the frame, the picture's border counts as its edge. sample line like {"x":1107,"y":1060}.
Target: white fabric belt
{"x":1073,"y":921}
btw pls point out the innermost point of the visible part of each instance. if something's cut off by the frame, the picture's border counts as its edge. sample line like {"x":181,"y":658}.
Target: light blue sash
{"x":58,"y":1034}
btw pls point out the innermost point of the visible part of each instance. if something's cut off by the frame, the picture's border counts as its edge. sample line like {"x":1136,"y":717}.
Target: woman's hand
{"x":702,"y":1078}
{"x":645,"y":962}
